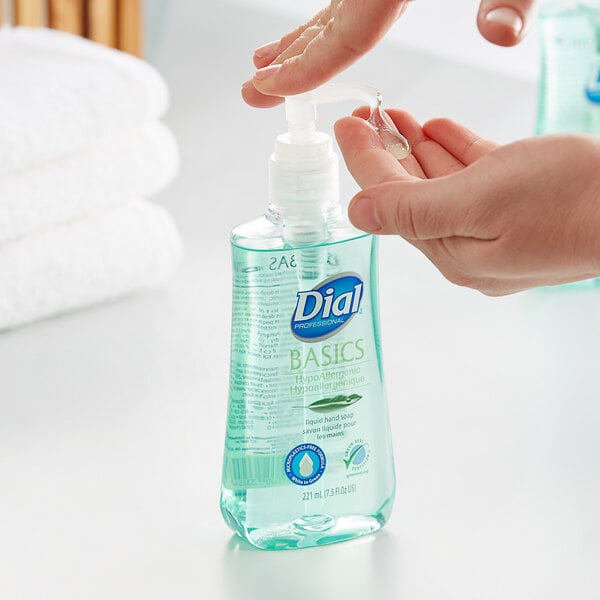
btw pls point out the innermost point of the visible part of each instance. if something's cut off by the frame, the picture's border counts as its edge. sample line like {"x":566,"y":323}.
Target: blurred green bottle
{"x":569,"y":85}
{"x":569,"y":88}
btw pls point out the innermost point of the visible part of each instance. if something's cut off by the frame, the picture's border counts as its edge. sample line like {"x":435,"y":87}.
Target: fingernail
{"x":364,"y":215}
{"x":267,"y":49}
{"x":267,"y":72}
{"x":246,"y":86}
{"x":505,"y":16}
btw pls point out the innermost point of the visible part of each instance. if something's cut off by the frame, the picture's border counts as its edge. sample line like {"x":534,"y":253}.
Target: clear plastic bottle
{"x":570,"y":65}
{"x":592,"y":86}
{"x":308,"y":453}
{"x":569,"y":85}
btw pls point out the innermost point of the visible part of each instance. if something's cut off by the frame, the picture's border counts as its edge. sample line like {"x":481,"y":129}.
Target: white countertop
{"x":112,"y":419}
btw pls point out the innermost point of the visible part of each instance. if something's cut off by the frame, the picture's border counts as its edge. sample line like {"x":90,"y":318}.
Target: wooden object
{"x":129,"y":19}
{"x":31,"y":13}
{"x":101,"y":21}
{"x":67,"y":15}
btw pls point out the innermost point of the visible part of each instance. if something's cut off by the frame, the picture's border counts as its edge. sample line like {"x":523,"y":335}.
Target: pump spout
{"x":303,"y":169}
{"x":301,"y":114}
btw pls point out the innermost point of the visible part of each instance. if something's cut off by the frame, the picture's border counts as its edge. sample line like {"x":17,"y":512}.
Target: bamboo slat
{"x":67,"y":15}
{"x":129,"y":19}
{"x":31,"y":13}
{"x":101,"y":20}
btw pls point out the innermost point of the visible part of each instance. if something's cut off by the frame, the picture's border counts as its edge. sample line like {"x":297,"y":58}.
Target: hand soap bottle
{"x":570,"y":65}
{"x":308,"y":454}
{"x":569,"y":84}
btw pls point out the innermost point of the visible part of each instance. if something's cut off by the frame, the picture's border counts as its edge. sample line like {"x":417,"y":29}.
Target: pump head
{"x":301,"y":114}
{"x":303,"y":170}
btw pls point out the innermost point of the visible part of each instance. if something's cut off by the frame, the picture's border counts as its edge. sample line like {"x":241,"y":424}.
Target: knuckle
{"x":491,"y":292}
{"x":353,"y":40}
{"x":449,"y":170}
{"x":403,"y":220}
{"x":462,"y":279}
{"x":458,"y":276}
{"x":471,"y":146}
{"x":310,"y":32}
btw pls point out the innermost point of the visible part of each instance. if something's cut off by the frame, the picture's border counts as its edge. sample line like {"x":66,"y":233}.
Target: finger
{"x":410,"y":128}
{"x":275,"y":53}
{"x":356,"y":27}
{"x":458,"y":140}
{"x":254,"y":98}
{"x":265,"y":55}
{"x":505,"y":22}
{"x":366,"y":157}
{"x":422,"y":209}
{"x":298,"y":46}
{"x":433,"y":159}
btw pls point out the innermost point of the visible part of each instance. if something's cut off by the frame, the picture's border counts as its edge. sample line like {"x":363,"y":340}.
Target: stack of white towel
{"x":81,"y":148}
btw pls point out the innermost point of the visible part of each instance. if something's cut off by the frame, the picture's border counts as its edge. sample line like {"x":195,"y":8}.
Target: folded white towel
{"x":98,"y":258}
{"x":133,"y":164}
{"x":60,"y":91}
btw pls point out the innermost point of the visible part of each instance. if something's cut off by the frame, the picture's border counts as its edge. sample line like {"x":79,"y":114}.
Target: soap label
{"x":322,"y":311}
{"x":305,"y":375}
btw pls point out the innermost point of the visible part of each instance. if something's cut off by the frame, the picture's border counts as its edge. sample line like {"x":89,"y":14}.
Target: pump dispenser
{"x":308,"y":455}
{"x":303,"y":170}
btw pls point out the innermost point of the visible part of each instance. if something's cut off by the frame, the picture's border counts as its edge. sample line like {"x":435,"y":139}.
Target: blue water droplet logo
{"x":305,"y":464}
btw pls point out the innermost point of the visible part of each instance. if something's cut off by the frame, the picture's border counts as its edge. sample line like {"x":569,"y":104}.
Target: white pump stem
{"x":303,"y":170}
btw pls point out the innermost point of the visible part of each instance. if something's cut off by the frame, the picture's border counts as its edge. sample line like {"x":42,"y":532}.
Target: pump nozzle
{"x":303,"y":169}
{"x":301,"y":114}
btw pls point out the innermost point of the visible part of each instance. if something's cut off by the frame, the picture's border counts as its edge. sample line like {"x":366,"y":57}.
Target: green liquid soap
{"x":308,"y":452}
{"x":308,"y":457}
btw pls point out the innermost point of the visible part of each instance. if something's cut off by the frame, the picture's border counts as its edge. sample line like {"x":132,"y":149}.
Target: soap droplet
{"x":306,"y":466}
{"x":395,"y":143}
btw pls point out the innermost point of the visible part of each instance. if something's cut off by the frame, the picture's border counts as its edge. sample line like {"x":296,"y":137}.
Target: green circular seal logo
{"x":356,"y":455}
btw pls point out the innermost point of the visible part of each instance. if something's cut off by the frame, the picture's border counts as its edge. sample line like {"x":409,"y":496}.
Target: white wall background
{"x":440,"y":27}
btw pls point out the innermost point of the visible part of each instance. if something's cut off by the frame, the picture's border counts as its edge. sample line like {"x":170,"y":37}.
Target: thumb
{"x":421,"y":209}
{"x":505,"y":22}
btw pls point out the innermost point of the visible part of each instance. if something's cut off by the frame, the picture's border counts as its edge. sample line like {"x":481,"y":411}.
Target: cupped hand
{"x":342,"y":32}
{"x":499,"y":219}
